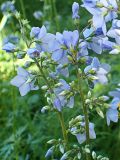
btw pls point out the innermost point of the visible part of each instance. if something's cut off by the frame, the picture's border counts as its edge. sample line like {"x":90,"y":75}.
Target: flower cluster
{"x":66,"y":61}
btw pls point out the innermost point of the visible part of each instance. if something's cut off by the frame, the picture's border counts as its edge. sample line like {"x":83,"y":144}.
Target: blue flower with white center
{"x":33,"y":53}
{"x":81,"y":136}
{"x":61,"y":93}
{"x":7,"y":6}
{"x":24,"y":81}
{"x":112,"y":112}
{"x":99,"y":71}
{"x":9,"y":47}
{"x":75,"y":11}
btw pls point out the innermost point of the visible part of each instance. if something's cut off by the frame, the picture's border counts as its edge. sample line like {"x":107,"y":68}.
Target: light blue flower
{"x":102,"y":11}
{"x":58,"y":49}
{"x":11,"y":38}
{"x":75,"y":11}
{"x":99,"y":71}
{"x":61,"y":100}
{"x":38,"y":15}
{"x":83,"y":50}
{"x":63,"y":44}
{"x":81,"y":137}
{"x":33,"y":53}
{"x":60,"y":69}
{"x":100,"y":44}
{"x":9,"y":47}
{"x":45,"y":40}
{"x":7,"y":6}
{"x":24,"y":81}
{"x":112,"y":112}
{"x":115,"y":93}
{"x":34,"y":32}
{"x":71,"y":39}
{"x":88,"y":32}
{"x":114,"y":31}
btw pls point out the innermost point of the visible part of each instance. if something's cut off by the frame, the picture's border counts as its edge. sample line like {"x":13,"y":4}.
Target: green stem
{"x":23,"y":8}
{"x":14,"y":114}
{"x":55,"y":14}
{"x":59,"y":113}
{"x":63,"y":127}
{"x":85,"y":111}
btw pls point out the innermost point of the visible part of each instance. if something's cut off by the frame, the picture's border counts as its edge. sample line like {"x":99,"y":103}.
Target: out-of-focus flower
{"x":9,"y":47}
{"x":33,"y":53}
{"x":115,"y":93}
{"x":38,"y":15}
{"x":75,"y":11}
{"x":12,"y":39}
{"x":24,"y":81}
{"x":34,"y":32}
{"x":7,"y":6}
{"x":112,"y":112}
{"x":49,"y":153}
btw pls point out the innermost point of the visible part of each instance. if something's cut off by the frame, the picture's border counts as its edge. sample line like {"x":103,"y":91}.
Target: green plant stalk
{"x":85,"y":111}
{"x":23,"y":8}
{"x":59,"y":113}
{"x":14,"y":113}
{"x":55,"y":14}
{"x":63,"y":127}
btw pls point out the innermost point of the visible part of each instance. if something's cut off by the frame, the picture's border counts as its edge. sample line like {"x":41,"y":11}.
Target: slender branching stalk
{"x":60,"y":115}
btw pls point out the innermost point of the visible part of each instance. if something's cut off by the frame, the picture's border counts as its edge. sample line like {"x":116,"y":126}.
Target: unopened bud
{"x":93,"y":155}
{"x":44,"y":87}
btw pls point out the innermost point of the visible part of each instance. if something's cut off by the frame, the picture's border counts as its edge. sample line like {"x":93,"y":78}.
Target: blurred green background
{"x":23,"y":129}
